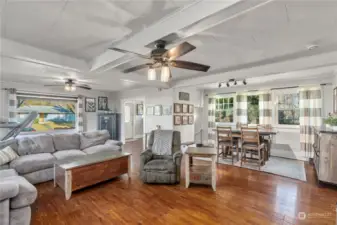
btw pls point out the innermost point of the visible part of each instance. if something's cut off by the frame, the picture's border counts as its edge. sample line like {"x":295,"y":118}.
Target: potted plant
{"x":331,"y":121}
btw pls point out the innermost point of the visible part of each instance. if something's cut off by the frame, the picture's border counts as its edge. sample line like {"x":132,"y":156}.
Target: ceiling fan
{"x":70,"y":85}
{"x":164,"y":59}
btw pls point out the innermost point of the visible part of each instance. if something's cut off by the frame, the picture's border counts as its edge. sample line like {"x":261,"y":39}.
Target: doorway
{"x":133,"y":120}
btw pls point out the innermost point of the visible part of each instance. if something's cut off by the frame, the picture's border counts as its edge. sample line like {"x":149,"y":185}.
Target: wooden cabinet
{"x":325,"y":156}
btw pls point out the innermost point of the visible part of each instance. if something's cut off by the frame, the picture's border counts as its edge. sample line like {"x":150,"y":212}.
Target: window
{"x":224,"y":109}
{"x":253,"y":109}
{"x":54,"y":114}
{"x":288,"y":109}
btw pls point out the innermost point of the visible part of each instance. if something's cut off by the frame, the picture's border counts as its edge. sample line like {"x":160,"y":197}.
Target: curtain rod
{"x":285,"y":88}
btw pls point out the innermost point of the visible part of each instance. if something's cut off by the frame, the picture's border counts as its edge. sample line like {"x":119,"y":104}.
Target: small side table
{"x":201,"y":174}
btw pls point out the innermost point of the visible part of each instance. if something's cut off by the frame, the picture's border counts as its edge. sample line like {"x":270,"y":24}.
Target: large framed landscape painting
{"x":52,"y":114}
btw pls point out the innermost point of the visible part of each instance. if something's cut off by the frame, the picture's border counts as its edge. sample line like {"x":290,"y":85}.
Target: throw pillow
{"x":7,"y":155}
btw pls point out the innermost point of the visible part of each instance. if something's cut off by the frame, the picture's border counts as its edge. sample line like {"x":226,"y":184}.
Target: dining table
{"x":263,"y":132}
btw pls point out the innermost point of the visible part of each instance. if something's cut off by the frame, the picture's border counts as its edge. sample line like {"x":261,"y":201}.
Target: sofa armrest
{"x":177,"y":156}
{"x":113,"y":142}
{"x":145,"y":157}
{"x":8,"y":190}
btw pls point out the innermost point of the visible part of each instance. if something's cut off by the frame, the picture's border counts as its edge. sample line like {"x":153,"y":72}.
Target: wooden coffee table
{"x":83,"y":171}
{"x":200,"y":174}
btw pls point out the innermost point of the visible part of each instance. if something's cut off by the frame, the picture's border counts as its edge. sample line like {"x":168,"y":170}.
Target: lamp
{"x":165,"y":74}
{"x":67,"y":87}
{"x":72,"y":88}
{"x":151,"y":74}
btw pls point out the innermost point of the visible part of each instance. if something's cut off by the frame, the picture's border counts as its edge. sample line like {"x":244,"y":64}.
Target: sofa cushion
{"x":161,"y":165}
{"x":7,"y":155}
{"x":35,"y":144}
{"x":67,"y":154}
{"x":7,"y":173}
{"x":66,"y":141}
{"x":31,"y":163}
{"x":101,"y":148}
{"x":27,"y":192}
{"x":93,"y":138}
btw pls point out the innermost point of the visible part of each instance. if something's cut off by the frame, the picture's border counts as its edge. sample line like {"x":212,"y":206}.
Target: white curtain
{"x":241,"y":108}
{"x":80,"y":113}
{"x":12,"y":104}
{"x":211,"y":121}
{"x":265,"y":108}
{"x":310,"y":116}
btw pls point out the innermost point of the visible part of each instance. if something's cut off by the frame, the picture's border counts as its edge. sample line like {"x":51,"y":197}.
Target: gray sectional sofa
{"x":37,"y":154}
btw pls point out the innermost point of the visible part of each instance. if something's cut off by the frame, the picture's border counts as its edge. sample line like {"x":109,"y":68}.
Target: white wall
{"x":150,"y":97}
{"x":188,"y":131}
{"x":89,"y":118}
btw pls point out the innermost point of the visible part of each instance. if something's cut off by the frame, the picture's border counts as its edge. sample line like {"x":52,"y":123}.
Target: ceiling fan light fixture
{"x":165,"y":74}
{"x":72,"y":88}
{"x":151,"y":74}
{"x":67,"y":87}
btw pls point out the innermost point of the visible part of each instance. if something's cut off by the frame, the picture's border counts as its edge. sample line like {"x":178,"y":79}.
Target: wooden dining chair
{"x":267,"y":140}
{"x":250,"y":138}
{"x":226,"y":143}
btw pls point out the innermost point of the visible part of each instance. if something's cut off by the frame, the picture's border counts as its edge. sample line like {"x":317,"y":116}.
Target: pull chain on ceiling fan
{"x":163,"y":59}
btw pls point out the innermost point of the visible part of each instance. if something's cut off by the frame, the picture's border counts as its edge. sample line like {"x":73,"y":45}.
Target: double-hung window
{"x":253,"y":109}
{"x":288,"y":110}
{"x":224,"y":109}
{"x":54,"y":112}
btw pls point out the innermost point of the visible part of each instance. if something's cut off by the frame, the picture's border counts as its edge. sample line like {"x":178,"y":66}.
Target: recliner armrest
{"x":145,"y":157}
{"x":113,"y":142}
{"x":8,"y":190}
{"x":177,"y":156}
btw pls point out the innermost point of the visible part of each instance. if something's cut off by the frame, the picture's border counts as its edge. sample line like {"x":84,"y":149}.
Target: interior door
{"x":128,"y":120}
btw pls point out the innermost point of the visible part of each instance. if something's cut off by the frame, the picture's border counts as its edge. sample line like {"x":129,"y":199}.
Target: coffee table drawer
{"x":98,"y":172}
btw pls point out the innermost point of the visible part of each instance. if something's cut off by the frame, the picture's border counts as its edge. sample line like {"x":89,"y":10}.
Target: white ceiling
{"x":258,"y":37}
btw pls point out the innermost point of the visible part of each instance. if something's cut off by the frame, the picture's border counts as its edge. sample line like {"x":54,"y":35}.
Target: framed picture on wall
{"x":185,"y":120}
{"x":90,"y":104}
{"x":190,"y":119}
{"x":184,"y":96}
{"x":335,"y":100}
{"x":103,"y":103}
{"x":177,"y":108}
{"x":149,"y":110}
{"x":185,"y":108}
{"x":190,"y":109}
{"x":177,"y":120}
{"x":157,"y":110}
{"x":167,"y":110}
{"x":140,"y":109}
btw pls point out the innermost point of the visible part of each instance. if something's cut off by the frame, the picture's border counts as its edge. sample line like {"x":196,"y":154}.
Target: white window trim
{"x":234,"y":109}
{"x":275,"y":94}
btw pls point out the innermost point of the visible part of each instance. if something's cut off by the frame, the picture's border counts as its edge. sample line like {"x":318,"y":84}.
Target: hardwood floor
{"x":243,"y":197}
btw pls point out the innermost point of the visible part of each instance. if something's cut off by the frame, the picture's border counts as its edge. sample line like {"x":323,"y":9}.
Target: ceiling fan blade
{"x":84,"y":87}
{"x":179,"y":50}
{"x":139,"y":67}
{"x":189,"y":65}
{"x":54,"y":85}
{"x":129,"y":52}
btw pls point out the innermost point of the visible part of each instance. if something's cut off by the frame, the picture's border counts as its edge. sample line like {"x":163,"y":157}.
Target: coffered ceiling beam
{"x":30,"y":54}
{"x":184,"y":17}
{"x":322,"y":59}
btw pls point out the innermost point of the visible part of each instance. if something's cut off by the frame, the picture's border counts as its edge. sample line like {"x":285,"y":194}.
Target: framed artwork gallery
{"x":90,"y":104}
{"x":177,"y":120}
{"x":177,"y":108}
{"x":102,"y":103}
